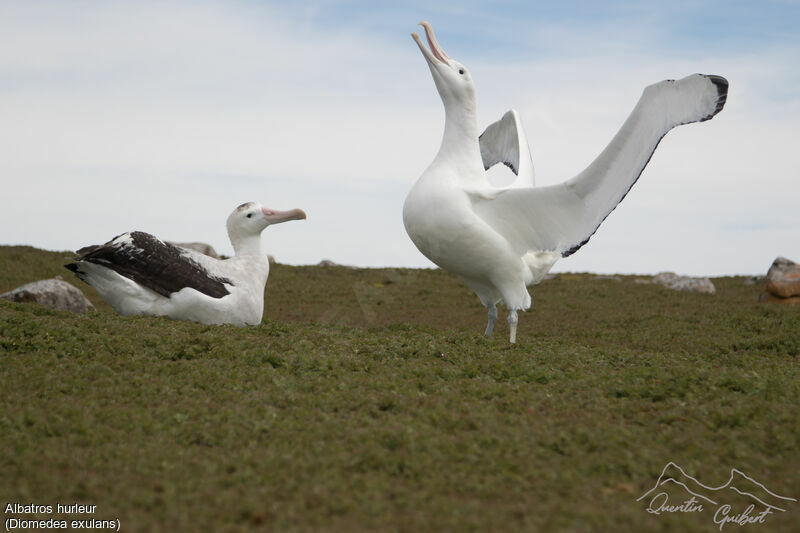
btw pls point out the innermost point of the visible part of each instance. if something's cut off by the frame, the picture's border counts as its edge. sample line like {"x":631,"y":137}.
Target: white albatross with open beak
{"x":501,"y":240}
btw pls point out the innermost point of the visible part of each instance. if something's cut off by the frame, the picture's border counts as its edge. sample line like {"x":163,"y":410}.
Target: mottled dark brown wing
{"x":159,"y":266}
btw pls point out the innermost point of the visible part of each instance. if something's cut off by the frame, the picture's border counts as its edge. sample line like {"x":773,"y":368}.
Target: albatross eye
{"x":461,"y":71}
{"x":249,"y":215}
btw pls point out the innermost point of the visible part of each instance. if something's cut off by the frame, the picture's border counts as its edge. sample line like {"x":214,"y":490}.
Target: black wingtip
{"x":720,"y":82}
{"x":722,"y":93}
{"x":72,"y":266}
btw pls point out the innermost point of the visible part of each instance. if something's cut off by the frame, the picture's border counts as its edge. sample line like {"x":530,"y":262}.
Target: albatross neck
{"x":244,"y":246}
{"x":460,"y":139}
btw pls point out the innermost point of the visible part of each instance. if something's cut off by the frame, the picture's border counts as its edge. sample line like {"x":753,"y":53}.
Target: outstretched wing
{"x":561,"y":218}
{"x":159,"y":266}
{"x":504,"y":142}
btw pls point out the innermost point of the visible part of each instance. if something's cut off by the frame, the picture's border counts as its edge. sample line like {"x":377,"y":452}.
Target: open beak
{"x":435,"y":54}
{"x":276,"y":217}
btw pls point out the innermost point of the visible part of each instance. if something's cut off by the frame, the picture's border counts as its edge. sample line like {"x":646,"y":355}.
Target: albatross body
{"x":138,"y":274}
{"x":501,"y":240}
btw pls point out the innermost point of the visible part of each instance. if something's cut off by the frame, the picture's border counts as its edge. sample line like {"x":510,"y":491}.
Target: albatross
{"x":500,"y":240}
{"x":138,"y":274}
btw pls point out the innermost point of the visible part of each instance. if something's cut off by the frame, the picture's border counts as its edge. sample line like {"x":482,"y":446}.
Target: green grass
{"x":368,"y":400}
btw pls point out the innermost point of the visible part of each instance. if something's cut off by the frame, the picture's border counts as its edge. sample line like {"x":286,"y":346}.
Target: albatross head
{"x":250,"y":219}
{"x":452,"y":79}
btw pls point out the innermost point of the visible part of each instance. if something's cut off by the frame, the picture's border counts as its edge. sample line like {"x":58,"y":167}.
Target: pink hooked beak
{"x":276,"y":217}
{"x":436,"y":51}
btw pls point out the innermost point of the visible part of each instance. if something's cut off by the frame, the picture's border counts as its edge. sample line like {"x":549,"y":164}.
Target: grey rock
{"x":203,"y":248}
{"x":329,"y":263}
{"x":675,"y":282}
{"x":52,"y":293}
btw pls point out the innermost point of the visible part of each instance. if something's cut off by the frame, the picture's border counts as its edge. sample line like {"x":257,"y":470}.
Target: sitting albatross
{"x":137,"y":274}
{"x":501,"y":240}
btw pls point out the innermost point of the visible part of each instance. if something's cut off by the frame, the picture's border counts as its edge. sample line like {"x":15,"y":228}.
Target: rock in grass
{"x":675,"y":282}
{"x":769,"y":297}
{"x":207,"y":249}
{"x":605,"y":277}
{"x":201,"y":247}
{"x":52,"y":293}
{"x":783,"y":278}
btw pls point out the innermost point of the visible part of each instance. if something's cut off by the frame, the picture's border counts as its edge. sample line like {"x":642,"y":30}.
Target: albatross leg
{"x":492,"y":318}
{"x":512,"y":325}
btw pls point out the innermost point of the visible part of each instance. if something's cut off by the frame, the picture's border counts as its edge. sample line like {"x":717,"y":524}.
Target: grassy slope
{"x":369,"y":400}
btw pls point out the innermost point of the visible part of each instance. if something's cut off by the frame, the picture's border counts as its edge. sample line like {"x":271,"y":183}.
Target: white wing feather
{"x":561,"y":218}
{"x":504,"y":142}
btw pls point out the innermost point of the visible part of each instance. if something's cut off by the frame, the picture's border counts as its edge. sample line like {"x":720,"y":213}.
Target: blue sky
{"x":678,"y":25}
{"x":164,"y":116}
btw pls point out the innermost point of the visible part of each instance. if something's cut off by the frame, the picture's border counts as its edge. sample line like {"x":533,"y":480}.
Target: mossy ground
{"x":369,"y":400}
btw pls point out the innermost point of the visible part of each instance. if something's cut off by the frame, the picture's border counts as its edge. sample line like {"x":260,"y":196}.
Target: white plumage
{"x":501,"y":240}
{"x":138,"y":274}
